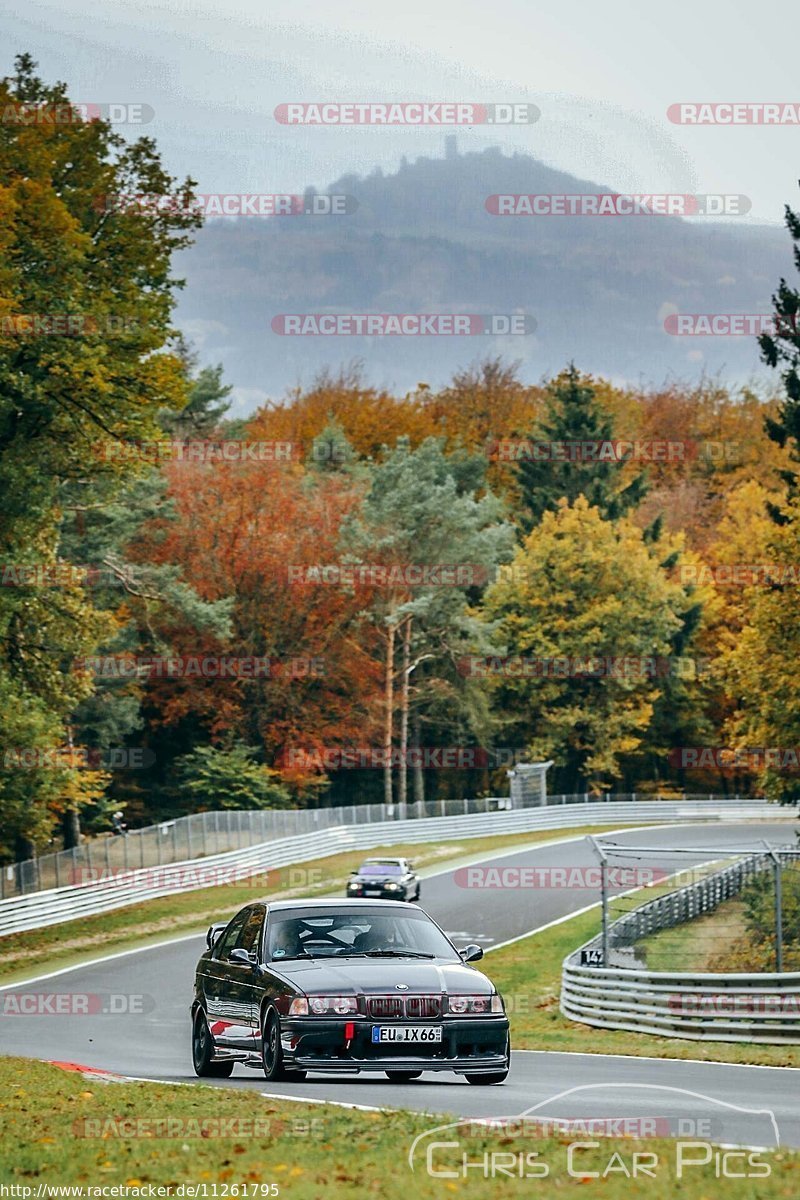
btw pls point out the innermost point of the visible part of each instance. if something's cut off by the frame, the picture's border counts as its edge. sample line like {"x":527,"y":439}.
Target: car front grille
{"x":397,"y":1007}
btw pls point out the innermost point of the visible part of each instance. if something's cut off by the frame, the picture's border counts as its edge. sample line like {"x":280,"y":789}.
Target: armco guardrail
{"x":200,"y":834}
{"x":724,"y":1007}
{"x":117,"y":889}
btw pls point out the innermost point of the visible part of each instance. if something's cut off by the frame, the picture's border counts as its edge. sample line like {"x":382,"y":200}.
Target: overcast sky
{"x":602,"y":76}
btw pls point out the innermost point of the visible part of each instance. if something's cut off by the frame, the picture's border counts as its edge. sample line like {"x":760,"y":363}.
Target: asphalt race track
{"x":735,"y":1101}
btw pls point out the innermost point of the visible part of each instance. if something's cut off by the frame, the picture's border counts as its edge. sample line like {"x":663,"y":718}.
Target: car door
{"x":272,"y":987}
{"x":216,"y":981}
{"x":244,"y":980}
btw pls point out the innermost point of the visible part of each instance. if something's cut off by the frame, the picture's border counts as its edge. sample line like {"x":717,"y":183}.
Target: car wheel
{"x":203,"y":1050}
{"x":485,"y":1080}
{"x":419,"y":892}
{"x":402,"y":1076}
{"x":272,"y":1054}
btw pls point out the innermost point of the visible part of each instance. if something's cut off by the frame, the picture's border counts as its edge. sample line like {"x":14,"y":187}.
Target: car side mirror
{"x":471,"y":953}
{"x":241,"y":956}
{"x":213,"y":933}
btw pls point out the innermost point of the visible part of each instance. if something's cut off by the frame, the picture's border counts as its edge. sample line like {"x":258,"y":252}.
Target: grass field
{"x":62,"y":1129}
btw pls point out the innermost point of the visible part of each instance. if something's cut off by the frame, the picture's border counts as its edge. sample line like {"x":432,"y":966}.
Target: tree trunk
{"x":403,"y":782}
{"x":70,"y":820}
{"x":71,"y":828}
{"x":419,"y":778}
{"x":388,"y":720}
{"x":24,"y":848}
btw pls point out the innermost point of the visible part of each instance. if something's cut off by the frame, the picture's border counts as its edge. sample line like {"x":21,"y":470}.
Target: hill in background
{"x":421,"y":240}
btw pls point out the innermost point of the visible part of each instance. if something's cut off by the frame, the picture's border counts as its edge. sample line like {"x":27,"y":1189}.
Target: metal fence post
{"x":778,"y":915}
{"x":777,"y":873}
{"x":603,"y":896}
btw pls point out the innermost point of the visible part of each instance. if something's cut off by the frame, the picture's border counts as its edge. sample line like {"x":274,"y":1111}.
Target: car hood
{"x":380,"y":975}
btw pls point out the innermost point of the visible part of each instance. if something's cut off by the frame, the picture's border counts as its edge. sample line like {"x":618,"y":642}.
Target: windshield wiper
{"x":396,"y":954}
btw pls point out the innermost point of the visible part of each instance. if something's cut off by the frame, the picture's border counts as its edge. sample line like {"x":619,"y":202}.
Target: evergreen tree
{"x":782,"y":347}
{"x":206,"y":407}
{"x":575,"y":426}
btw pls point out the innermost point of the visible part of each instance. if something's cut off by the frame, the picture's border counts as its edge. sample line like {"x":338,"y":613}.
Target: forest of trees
{"x":474,"y":575}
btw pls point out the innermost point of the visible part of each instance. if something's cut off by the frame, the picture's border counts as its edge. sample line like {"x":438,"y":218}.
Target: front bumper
{"x":377,"y":893}
{"x":468,"y":1046}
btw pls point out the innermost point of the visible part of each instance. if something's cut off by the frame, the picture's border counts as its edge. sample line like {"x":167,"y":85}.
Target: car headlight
{"x":392,"y":887}
{"x":474,"y":1005}
{"x":321,"y":1006}
{"x":353,"y":886}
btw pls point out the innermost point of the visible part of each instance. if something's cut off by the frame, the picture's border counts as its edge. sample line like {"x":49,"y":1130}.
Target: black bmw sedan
{"x":340,"y":986}
{"x":384,"y":879}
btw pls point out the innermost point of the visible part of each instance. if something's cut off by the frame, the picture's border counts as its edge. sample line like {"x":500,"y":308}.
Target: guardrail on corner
{"x":761,"y":1007}
{"x":118,"y":889}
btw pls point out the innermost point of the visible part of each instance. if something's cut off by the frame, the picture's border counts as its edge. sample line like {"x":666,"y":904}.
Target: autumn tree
{"x":86,"y":361}
{"x":587,"y":604}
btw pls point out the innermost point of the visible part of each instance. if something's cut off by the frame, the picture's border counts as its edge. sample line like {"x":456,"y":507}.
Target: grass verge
{"x":719,"y":941}
{"x":61,"y":1129}
{"x":528,"y":973}
{"x":40,"y":950}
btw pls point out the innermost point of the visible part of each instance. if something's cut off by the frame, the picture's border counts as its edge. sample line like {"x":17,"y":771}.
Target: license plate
{"x":406,"y":1033}
{"x":372,"y":891}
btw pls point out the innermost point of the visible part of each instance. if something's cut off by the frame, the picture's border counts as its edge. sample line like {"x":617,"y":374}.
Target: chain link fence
{"x":738,"y":911}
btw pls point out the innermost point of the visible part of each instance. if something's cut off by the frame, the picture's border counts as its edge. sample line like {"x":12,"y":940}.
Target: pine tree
{"x":573,"y":417}
{"x":783,"y":347}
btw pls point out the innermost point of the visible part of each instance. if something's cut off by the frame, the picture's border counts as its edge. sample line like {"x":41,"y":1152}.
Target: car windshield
{"x":357,"y":932}
{"x":374,"y":868}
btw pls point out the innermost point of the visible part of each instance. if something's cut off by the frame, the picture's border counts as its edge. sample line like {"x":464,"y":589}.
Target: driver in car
{"x":381,"y":935}
{"x":285,"y":940}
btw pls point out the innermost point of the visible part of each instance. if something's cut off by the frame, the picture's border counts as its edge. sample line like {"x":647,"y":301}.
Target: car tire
{"x":402,"y":1076}
{"x":271,"y":1052}
{"x":487,"y":1079}
{"x":203,"y":1050}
